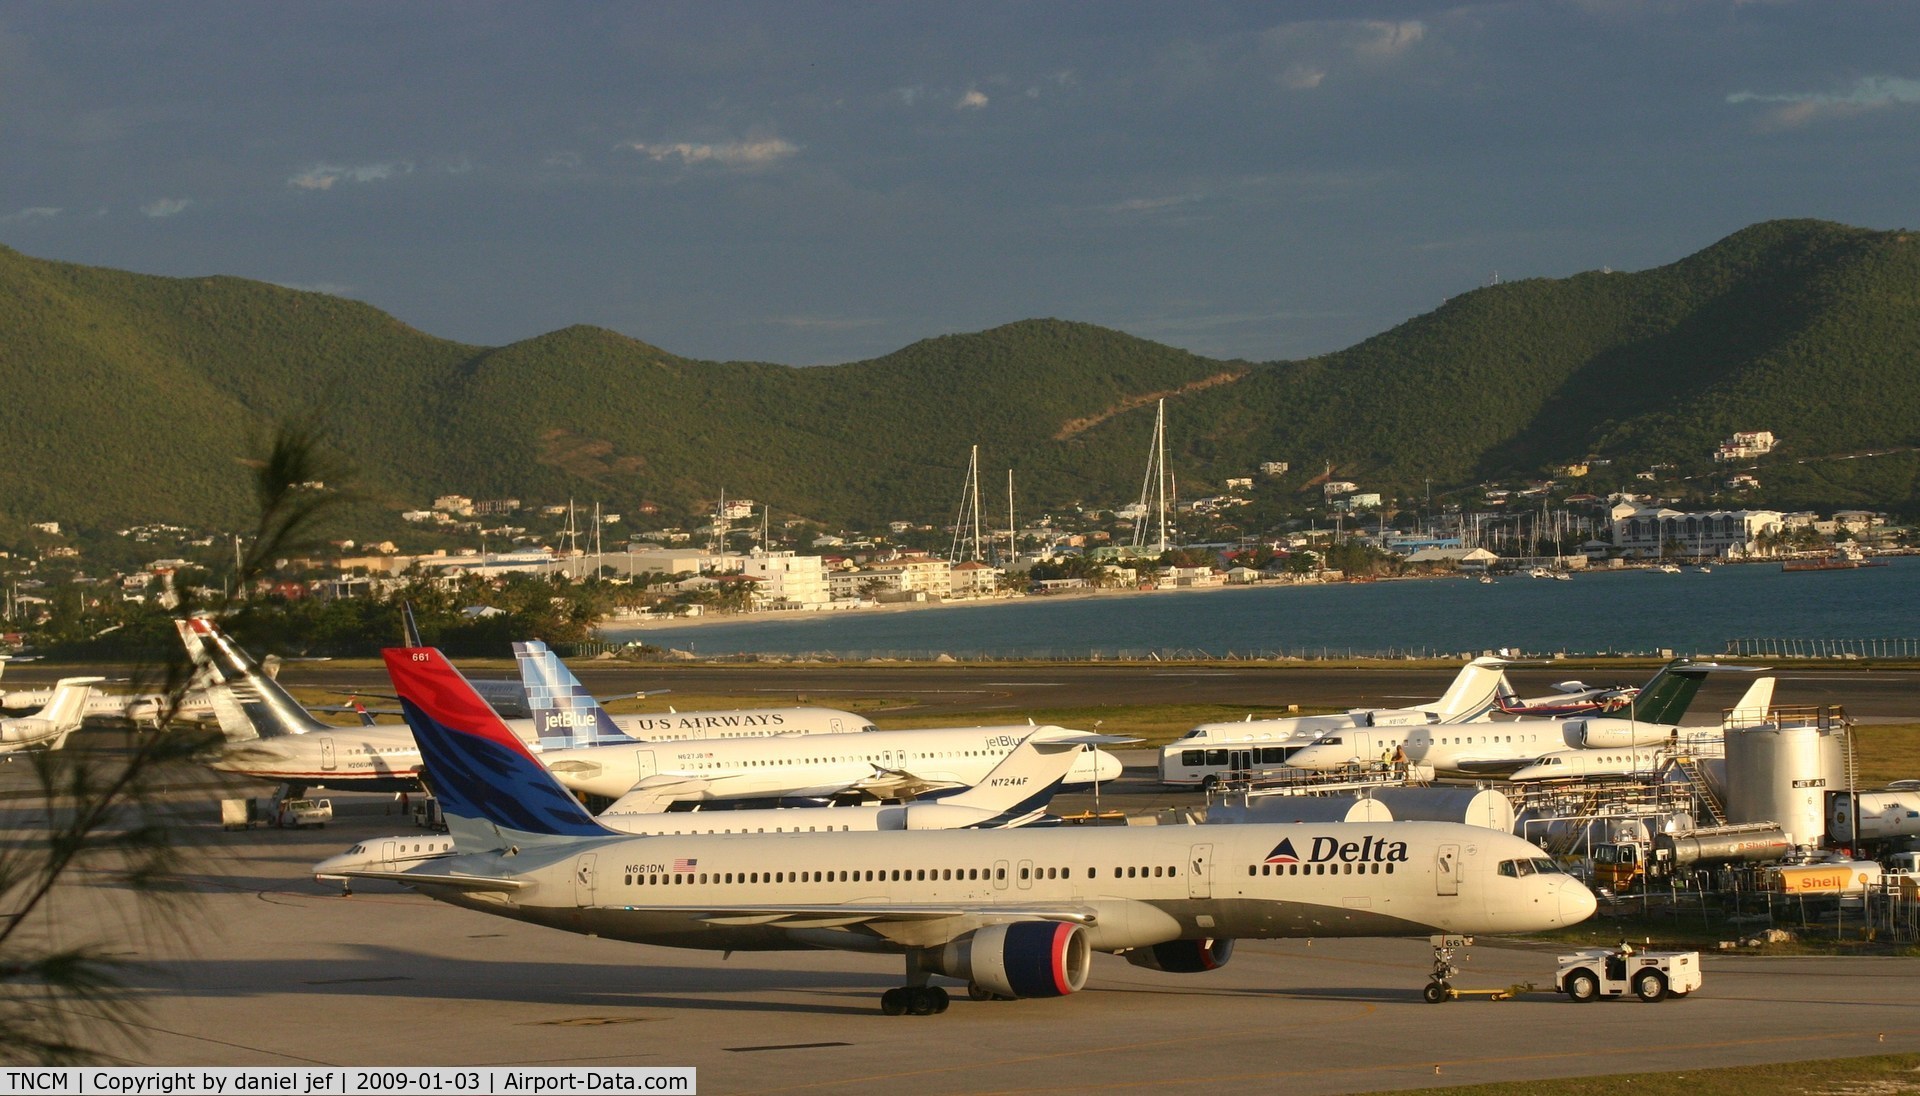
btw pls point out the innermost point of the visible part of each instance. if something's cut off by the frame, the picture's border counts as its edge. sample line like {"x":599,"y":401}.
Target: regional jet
{"x":1011,"y":913}
{"x":48,"y":728}
{"x":575,"y":732}
{"x":1485,"y":749}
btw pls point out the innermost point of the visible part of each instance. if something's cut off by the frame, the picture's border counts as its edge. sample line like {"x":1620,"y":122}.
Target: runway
{"x":273,"y":968}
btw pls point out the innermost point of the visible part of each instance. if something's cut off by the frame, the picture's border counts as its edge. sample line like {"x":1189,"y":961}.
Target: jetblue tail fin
{"x":265,"y":709}
{"x":565,"y":715}
{"x":492,"y":790}
{"x":1019,"y":788}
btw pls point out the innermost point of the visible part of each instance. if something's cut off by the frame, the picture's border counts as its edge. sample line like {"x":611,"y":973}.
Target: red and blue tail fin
{"x":480,"y":770}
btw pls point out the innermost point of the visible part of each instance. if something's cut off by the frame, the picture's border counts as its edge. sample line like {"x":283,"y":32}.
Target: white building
{"x":1746,"y":445}
{"x":1646,"y":532}
{"x":789,"y":580}
{"x":973,"y":579}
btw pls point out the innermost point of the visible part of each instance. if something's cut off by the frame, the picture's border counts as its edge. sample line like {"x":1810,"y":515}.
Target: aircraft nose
{"x":1576,"y":902}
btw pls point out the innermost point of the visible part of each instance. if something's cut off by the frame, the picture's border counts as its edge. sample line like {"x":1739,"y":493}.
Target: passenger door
{"x":583,"y":881}
{"x":1447,"y":869}
{"x":1200,"y":872}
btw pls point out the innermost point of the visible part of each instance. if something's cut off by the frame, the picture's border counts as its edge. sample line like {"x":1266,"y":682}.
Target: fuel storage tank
{"x":1472,"y":806}
{"x":1781,"y":772}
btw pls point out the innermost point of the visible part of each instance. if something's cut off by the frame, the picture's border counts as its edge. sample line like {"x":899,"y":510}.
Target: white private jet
{"x":133,"y":707}
{"x":48,"y":728}
{"x":1015,"y":793}
{"x":1210,"y":751}
{"x":646,"y":777}
{"x":1615,"y":761}
{"x":1485,"y":749}
{"x":1013,"y":913}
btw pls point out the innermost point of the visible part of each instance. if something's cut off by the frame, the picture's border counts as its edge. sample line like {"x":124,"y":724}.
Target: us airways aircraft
{"x":1015,"y":793}
{"x":270,"y":736}
{"x":48,"y":728}
{"x":1013,"y":913}
{"x":1501,"y":748}
{"x":565,"y":714}
{"x":1626,"y":760}
{"x":647,"y":777}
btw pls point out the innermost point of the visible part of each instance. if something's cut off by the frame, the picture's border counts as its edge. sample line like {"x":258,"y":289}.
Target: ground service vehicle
{"x":1614,"y":972}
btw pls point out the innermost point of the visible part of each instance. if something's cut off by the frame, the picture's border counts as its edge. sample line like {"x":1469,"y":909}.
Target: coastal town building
{"x":1652,"y":532}
{"x":1745,"y":445}
{"x":788,"y":580}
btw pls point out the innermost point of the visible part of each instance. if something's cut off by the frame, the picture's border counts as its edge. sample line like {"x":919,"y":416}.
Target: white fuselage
{"x":1472,"y":749}
{"x":384,"y":757}
{"x":1130,"y":886}
{"x":706,"y":726}
{"x":815,"y":766}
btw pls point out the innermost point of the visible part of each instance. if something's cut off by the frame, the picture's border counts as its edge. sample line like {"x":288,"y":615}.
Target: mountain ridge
{"x":1806,"y":328}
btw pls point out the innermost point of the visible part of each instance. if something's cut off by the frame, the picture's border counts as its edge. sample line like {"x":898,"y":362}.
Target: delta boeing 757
{"x":1012,"y":913}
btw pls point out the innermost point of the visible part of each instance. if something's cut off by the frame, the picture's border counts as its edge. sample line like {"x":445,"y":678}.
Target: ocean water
{"x":1868,"y":611}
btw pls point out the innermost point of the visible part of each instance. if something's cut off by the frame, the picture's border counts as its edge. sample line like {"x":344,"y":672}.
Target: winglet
{"x":485,"y":777}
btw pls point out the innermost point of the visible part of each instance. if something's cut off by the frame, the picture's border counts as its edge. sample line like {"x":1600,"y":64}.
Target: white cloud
{"x":909,"y":96}
{"x":1383,"y":39}
{"x":752,"y":153}
{"x":1303,"y":77}
{"x":1150,"y":205}
{"x":323,"y":176}
{"x":1867,"y":93}
{"x":974,"y":99}
{"x":165,"y":207}
{"x":562,"y":159}
{"x":32,"y":215}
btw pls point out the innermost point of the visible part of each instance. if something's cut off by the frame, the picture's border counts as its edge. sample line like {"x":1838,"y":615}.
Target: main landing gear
{"x":914,"y":1001}
{"x":916,"y":998}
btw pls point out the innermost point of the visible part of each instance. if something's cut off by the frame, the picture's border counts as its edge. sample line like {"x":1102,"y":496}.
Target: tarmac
{"x":261,"y":965}
{"x":249,"y":961}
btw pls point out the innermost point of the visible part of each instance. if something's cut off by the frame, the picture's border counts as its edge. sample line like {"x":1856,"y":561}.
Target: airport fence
{"x":1890,"y":647}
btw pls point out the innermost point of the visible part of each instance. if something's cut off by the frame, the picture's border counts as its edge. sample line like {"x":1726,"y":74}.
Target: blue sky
{"x":808,"y":183}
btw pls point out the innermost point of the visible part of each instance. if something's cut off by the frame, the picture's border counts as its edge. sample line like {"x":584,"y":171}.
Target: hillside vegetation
{"x":127,"y":397}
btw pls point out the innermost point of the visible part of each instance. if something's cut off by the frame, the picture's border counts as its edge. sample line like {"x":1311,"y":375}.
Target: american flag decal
{"x":685,"y":865}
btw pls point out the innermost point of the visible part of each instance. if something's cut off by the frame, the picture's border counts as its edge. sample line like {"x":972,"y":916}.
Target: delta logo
{"x":1367,"y":850}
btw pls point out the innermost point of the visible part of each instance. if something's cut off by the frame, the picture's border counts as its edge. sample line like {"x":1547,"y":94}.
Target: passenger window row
{"x":1317,"y":869}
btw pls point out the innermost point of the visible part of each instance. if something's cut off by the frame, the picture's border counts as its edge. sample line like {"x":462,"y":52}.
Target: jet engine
{"x":1022,"y":959}
{"x":24,"y":730}
{"x":1183,"y":956}
{"x":1613,"y":734}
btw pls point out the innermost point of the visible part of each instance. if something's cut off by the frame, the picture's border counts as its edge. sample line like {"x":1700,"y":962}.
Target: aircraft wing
{"x":841,"y":916}
{"x":1493,"y":766}
{"x":897,"y":784}
{"x":457,"y":881}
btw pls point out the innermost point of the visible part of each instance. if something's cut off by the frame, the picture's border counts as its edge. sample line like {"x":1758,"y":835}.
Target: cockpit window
{"x":1333,"y":741}
{"x":1546,"y":867}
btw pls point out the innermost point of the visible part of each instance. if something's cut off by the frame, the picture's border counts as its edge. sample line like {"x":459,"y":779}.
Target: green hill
{"x":128,"y":397}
